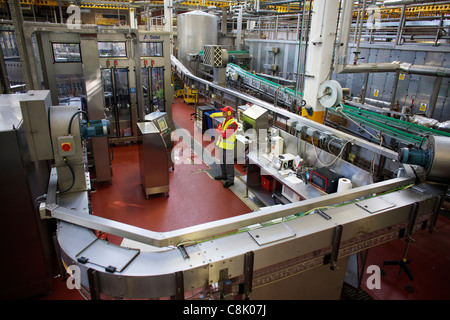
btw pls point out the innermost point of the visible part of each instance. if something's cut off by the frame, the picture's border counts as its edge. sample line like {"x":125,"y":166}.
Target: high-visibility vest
{"x":228,"y":143}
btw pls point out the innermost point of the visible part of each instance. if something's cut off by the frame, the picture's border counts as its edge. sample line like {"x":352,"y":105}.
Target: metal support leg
{"x":335,"y":246}
{"x":404,"y":263}
{"x":94,"y":288}
{"x":361,"y":268}
{"x":179,"y":283}
{"x":62,"y":270}
{"x":435,"y":215}
{"x":248,"y":274}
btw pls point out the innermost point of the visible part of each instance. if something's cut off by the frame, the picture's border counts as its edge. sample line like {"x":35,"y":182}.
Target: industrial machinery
{"x":247,"y":241}
{"x":162,"y":123}
{"x":305,"y":239}
{"x":33,"y":130}
{"x":434,"y":158}
{"x":283,"y":161}
{"x":195,"y":29}
{"x":153,"y":159}
{"x":26,"y":238}
{"x":255,"y":121}
{"x":325,"y":179}
{"x":282,"y":95}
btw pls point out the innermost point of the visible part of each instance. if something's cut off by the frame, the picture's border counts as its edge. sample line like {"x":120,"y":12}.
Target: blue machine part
{"x":94,"y":128}
{"x":415,"y":156}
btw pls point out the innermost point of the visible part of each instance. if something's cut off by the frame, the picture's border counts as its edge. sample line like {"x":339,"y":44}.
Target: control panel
{"x":66,"y":146}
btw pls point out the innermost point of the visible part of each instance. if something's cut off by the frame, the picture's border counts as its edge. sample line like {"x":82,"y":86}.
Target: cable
{"x":41,"y":198}
{"x":340,"y":110}
{"x":379,"y":137}
{"x":423,"y":139}
{"x":73,"y":116}
{"x":288,"y":218}
{"x":73,"y":176}
{"x":337,"y":157}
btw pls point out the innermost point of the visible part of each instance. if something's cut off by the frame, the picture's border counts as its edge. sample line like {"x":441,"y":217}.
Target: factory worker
{"x":225,"y":141}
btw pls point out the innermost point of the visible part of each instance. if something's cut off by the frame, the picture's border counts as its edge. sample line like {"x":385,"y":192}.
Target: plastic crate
{"x":267,"y":182}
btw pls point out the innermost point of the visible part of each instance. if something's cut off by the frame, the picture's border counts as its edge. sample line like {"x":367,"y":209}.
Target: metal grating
{"x":212,"y":56}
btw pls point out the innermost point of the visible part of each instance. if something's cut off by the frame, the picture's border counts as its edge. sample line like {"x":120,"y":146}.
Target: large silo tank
{"x":195,"y":29}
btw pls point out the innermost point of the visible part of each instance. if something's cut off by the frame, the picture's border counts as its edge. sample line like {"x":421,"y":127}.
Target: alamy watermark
{"x":74,"y":20}
{"x":373,"y":17}
{"x":74,"y":279}
{"x":373,"y":281}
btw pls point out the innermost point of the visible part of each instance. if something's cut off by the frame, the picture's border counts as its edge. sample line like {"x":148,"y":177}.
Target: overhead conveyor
{"x":407,"y":132}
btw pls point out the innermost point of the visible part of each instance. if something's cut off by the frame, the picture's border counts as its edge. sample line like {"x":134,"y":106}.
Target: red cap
{"x":226,"y":109}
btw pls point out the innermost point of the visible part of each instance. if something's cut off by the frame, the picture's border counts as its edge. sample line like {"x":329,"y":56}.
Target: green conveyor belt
{"x":409,"y":132}
{"x":242,"y":72}
{"x":410,"y":127}
{"x":406,"y":131}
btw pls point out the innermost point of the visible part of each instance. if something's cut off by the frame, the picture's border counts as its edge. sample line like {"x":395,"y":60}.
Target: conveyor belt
{"x":403,"y":130}
{"x":283,"y":94}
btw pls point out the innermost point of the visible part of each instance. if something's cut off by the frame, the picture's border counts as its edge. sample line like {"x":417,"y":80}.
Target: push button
{"x":66,"y":147}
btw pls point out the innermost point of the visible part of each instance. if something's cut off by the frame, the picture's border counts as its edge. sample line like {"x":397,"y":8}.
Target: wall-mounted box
{"x":34,"y":106}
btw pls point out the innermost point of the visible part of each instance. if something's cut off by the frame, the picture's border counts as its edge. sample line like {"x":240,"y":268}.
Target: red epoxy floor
{"x":196,"y":198}
{"x":429,"y":257}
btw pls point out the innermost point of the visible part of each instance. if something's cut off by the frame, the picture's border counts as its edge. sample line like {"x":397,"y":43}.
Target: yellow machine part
{"x":190,"y":95}
{"x":317,"y":116}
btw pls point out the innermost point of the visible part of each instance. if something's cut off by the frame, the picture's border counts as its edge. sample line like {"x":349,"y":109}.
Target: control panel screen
{"x":318,"y":180}
{"x":162,"y":124}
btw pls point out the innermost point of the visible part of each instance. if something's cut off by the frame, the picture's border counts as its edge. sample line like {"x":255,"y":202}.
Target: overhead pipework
{"x":343,"y":64}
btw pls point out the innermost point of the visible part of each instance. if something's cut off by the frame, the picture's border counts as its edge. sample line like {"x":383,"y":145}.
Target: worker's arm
{"x":216,"y":114}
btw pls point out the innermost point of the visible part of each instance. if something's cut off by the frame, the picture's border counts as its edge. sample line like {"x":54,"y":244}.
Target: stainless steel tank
{"x":195,"y":29}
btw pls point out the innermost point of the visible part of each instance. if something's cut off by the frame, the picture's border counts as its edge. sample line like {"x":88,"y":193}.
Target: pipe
{"x":342,"y":65}
{"x":370,"y":67}
{"x":396,"y":66}
{"x":300,"y":47}
{"x":307,"y":28}
{"x":363,"y":12}
{"x":344,"y":35}
{"x":391,"y":3}
{"x":239,"y":30}
{"x":400,"y":26}
{"x":425,"y":70}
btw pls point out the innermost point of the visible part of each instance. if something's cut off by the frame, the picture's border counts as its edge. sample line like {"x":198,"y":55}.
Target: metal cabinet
{"x":27,"y":249}
{"x":153,"y":160}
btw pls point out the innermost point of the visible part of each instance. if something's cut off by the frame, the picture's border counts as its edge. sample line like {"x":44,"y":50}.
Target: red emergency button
{"x":66,"y":147}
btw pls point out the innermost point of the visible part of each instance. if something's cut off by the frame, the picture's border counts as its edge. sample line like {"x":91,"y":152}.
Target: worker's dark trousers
{"x":227,"y":164}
